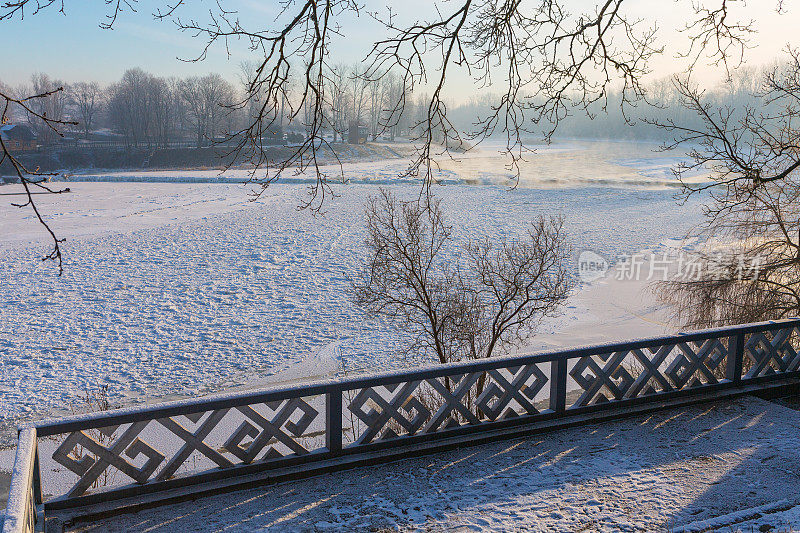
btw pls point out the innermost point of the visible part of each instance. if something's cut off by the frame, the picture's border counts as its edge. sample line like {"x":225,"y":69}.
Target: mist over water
{"x":570,"y":163}
{"x":567,"y":163}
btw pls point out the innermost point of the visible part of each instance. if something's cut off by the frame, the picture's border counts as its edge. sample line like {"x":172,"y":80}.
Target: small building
{"x":18,"y":137}
{"x":357,"y":133}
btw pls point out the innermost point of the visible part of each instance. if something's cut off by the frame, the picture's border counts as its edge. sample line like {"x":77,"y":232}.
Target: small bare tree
{"x":54,"y":106}
{"x":489,"y":301}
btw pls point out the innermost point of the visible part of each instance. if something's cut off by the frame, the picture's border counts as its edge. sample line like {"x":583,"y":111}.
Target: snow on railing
{"x":99,"y":457}
{"x":24,"y":494}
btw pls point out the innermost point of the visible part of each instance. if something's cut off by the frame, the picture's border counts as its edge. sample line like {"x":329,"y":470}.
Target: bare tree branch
{"x":751,"y":262}
{"x":32,"y":179}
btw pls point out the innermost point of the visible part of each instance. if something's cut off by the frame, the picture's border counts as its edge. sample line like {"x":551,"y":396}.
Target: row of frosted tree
{"x":611,"y":117}
{"x":142,"y":109}
{"x":139,"y":109}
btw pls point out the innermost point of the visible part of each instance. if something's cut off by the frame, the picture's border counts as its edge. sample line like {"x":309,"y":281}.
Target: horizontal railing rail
{"x":114,"y":454}
{"x":217,"y":401}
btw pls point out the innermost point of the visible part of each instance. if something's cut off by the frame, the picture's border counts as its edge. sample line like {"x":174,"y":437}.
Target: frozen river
{"x":182,"y":289}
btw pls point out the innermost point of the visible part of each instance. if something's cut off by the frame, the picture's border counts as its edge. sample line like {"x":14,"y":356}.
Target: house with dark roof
{"x":18,"y":137}
{"x":357,"y":133}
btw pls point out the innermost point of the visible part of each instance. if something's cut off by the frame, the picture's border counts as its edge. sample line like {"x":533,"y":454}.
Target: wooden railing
{"x":25,"y":493}
{"x":123,"y":453}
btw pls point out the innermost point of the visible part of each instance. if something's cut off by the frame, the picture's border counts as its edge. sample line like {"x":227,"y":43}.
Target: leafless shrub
{"x":489,"y":301}
{"x":95,"y":401}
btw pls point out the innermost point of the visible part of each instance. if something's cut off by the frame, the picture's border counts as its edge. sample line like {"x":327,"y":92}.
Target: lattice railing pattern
{"x":432,"y":405}
{"x":160,"y":446}
{"x":640,"y":372}
{"x":427,"y":406}
{"x":159,"y":449}
{"x":771,"y":352}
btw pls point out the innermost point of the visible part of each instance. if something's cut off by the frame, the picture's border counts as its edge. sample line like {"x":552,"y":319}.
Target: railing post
{"x":333,"y":421}
{"x":733,"y":367}
{"x":558,"y":385}
{"x":37,"y":476}
{"x":21,"y":509}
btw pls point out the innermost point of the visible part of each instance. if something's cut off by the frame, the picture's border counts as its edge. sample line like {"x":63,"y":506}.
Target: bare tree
{"x":485,"y":304}
{"x":391,"y":118}
{"x":208,"y":100}
{"x":146,"y":108}
{"x":87,"y":98}
{"x":131,"y":105}
{"x":339,"y":100}
{"x":171,"y":120}
{"x":378,"y":92}
{"x":161,"y":109}
{"x":750,"y":269}
{"x":358,"y":92}
{"x":53,"y":107}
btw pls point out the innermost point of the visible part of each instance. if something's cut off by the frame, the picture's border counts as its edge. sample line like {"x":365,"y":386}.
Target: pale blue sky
{"x":74,"y":47}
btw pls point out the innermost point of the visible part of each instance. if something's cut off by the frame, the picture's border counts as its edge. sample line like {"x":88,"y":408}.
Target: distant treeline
{"x":143,"y":110}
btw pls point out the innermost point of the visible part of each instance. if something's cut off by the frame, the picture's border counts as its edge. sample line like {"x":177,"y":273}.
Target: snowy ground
{"x":185,"y":291}
{"x":724,"y":467}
